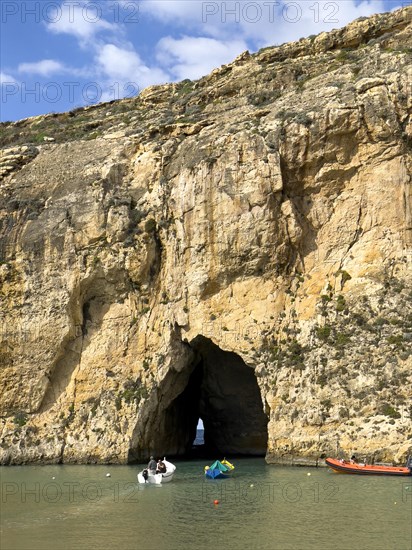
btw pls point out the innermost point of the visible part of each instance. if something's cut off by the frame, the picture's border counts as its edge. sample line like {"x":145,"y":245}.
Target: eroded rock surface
{"x":264,"y":209}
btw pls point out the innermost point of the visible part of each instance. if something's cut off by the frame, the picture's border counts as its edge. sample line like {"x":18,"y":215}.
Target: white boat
{"x":158,"y":479}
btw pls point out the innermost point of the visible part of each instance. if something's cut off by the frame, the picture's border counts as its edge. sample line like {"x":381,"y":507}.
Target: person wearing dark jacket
{"x":161,"y":467}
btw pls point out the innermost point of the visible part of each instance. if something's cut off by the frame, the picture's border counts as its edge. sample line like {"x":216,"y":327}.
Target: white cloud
{"x":46,"y":67}
{"x":122,"y":65}
{"x":176,"y":11}
{"x":193,"y":57}
{"x":194,"y":16}
{"x":290,"y":21}
{"x":6,"y":78}
{"x":260,"y":22}
{"x":348,"y":11}
{"x":80,"y":20}
{"x":49,"y":67}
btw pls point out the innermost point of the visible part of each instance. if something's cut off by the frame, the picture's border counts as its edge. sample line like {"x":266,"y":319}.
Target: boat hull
{"x":216,"y":474}
{"x":158,"y":479}
{"x":347,"y":467}
{"x":155,"y":479}
{"x":219,"y":470}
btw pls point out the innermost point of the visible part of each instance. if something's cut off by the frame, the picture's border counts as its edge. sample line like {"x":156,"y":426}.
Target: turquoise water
{"x":261,"y":507}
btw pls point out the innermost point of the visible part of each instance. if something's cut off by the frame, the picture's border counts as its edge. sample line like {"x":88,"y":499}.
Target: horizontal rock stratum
{"x":237,"y":248}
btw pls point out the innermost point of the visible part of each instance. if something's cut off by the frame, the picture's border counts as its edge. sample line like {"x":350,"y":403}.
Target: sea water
{"x":200,"y":437}
{"x":261,"y":507}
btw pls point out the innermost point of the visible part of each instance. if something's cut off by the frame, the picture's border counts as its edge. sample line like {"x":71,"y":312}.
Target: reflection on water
{"x":264,"y":507}
{"x":200,"y":437}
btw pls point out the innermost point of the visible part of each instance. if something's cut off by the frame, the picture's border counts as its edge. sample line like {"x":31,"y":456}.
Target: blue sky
{"x":61,"y":54}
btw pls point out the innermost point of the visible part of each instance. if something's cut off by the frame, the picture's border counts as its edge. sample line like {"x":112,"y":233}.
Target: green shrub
{"x":340,"y":303}
{"x":326,"y":404}
{"x":381,"y":384}
{"x":323,"y":333}
{"x":38,"y":138}
{"x":303,"y":119}
{"x":133,"y":392}
{"x":150,"y":226}
{"x":396,"y":340}
{"x":344,"y":56}
{"x":295,"y":348}
{"x":341,"y":339}
{"x":344,"y":275}
{"x":274,"y":352}
{"x":20,"y":419}
{"x":263,"y":97}
{"x":165,"y":298}
{"x":186,"y":87}
{"x":388,"y":410}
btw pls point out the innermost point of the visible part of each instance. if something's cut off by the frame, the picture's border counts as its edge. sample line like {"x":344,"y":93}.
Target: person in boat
{"x":152,"y":466}
{"x":161,"y":467}
{"x":353,"y":459}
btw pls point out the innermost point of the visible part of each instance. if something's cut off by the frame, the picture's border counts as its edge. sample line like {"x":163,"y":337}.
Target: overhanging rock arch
{"x":215,"y":385}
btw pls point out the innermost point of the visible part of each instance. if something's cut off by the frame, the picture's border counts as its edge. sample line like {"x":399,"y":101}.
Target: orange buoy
{"x":216,"y":502}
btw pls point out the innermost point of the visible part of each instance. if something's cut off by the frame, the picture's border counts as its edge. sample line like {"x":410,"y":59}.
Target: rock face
{"x":237,"y":248}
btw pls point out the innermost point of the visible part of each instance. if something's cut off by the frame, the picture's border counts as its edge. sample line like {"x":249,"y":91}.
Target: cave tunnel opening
{"x":221,"y":390}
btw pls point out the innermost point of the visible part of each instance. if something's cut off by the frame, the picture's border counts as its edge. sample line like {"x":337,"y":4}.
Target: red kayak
{"x":350,"y":467}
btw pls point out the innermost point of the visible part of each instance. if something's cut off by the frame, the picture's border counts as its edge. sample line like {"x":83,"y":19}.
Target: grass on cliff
{"x":81,"y":123}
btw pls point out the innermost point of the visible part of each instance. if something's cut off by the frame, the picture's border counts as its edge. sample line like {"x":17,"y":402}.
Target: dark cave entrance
{"x":218,"y":387}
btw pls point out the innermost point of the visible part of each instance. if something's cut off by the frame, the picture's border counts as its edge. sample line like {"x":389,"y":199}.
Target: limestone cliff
{"x":237,"y":248}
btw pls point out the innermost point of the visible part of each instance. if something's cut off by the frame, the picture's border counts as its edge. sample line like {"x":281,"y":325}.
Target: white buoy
{"x":107,"y":475}
{"x":309,"y":474}
{"x":53,"y":477}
